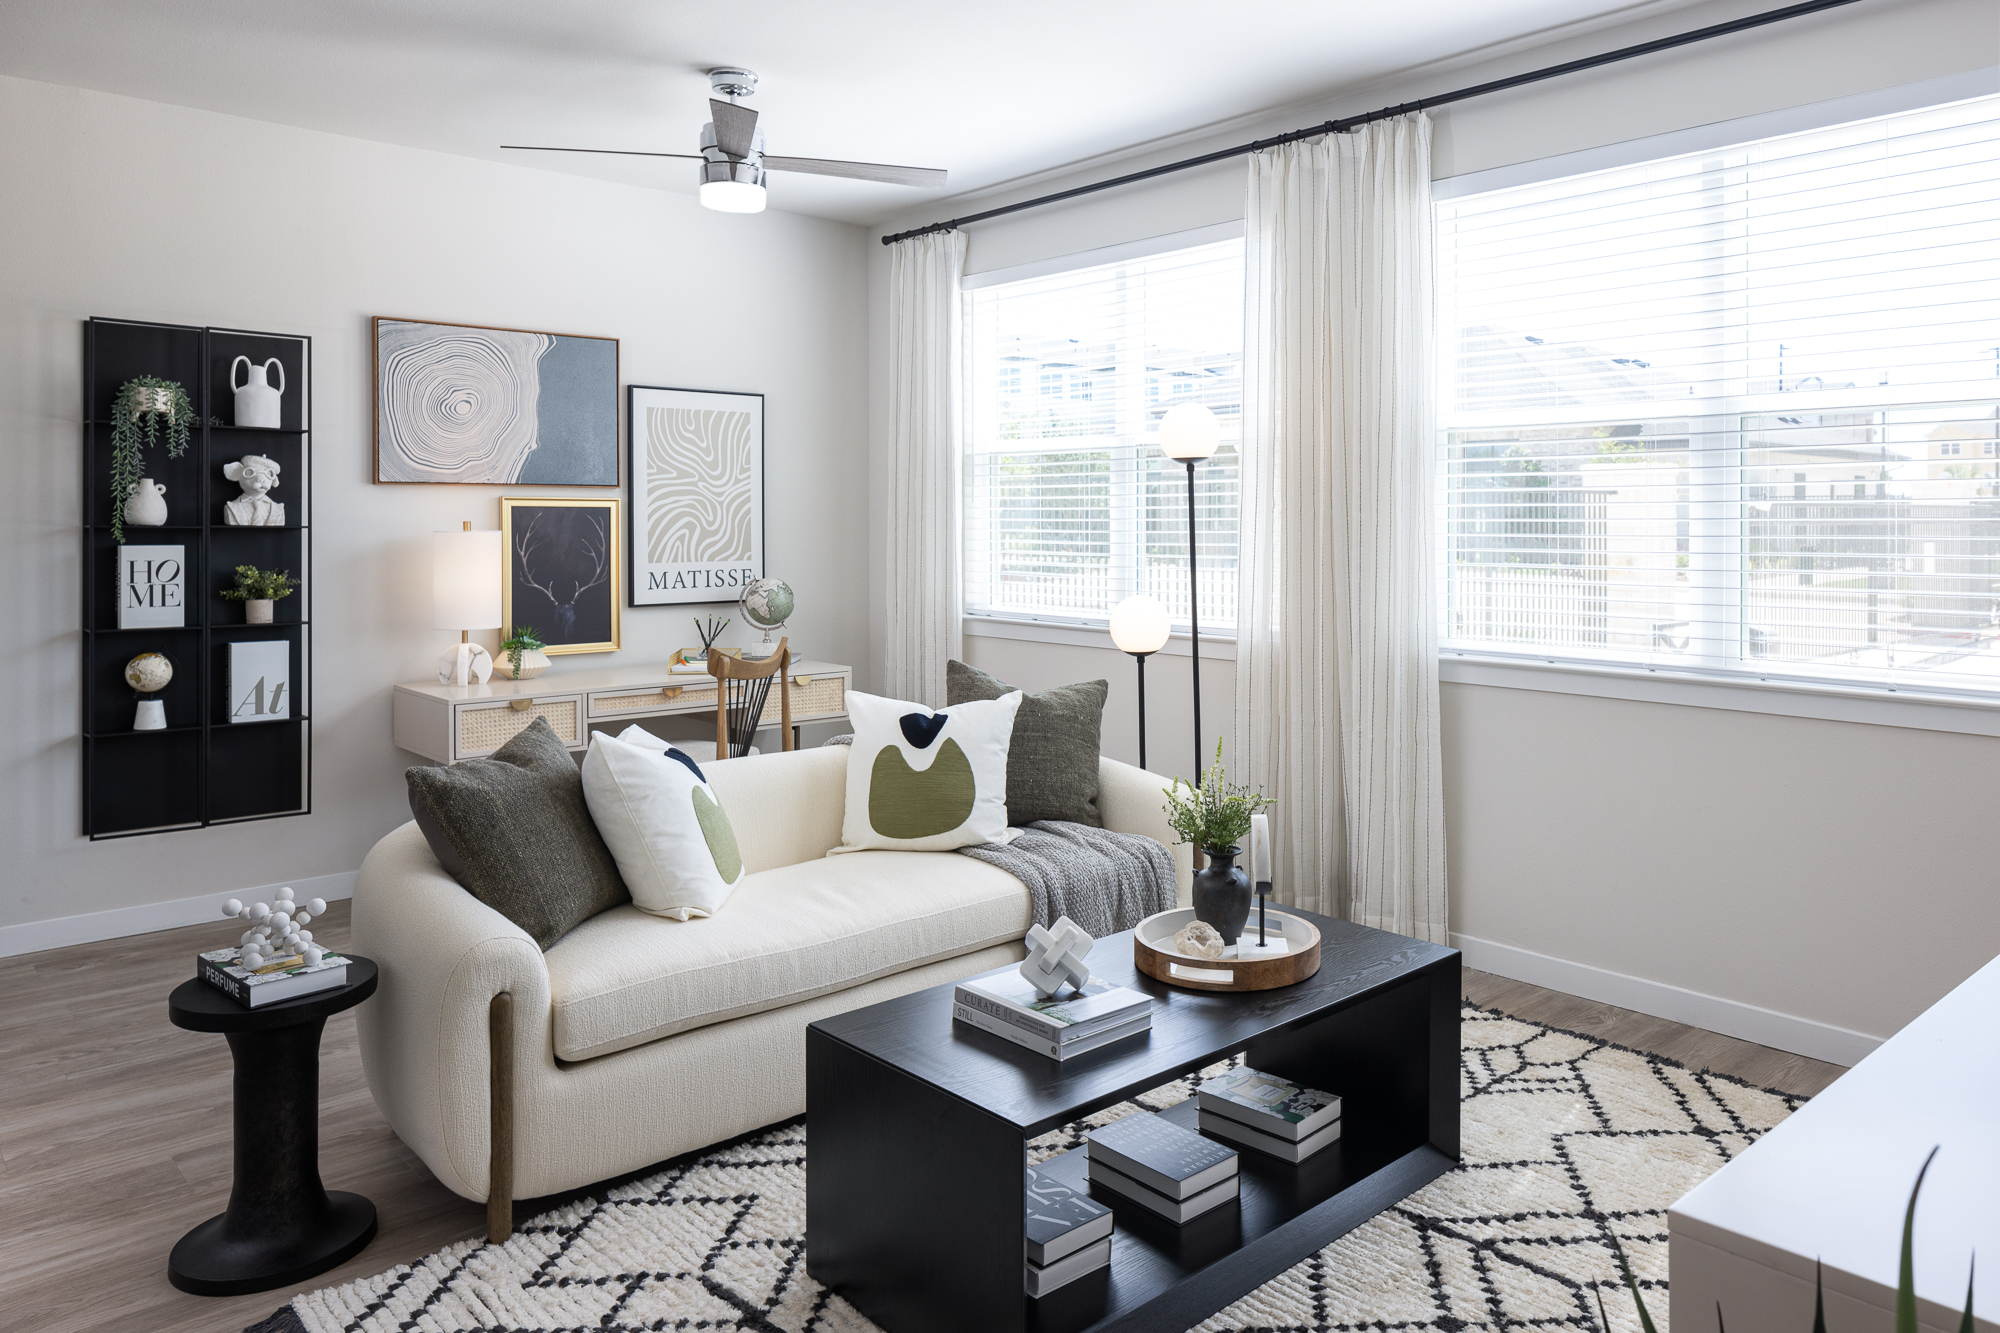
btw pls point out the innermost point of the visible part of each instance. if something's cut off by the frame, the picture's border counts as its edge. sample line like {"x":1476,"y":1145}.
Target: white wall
{"x":130,"y":209}
{"x":1805,"y":883}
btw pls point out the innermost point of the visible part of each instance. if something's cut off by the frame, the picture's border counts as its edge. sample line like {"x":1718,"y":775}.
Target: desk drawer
{"x":618,"y":703}
{"x":484,"y":728}
{"x":826,"y":696}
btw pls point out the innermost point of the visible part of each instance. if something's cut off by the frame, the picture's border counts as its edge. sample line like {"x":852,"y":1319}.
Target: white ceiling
{"x":990,"y":92}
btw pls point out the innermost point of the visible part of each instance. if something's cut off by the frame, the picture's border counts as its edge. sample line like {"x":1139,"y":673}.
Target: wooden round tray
{"x":1153,"y":951}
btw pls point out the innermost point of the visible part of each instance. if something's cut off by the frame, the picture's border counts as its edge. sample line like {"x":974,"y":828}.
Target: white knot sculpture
{"x":1055,"y":956}
{"x":277,"y":933}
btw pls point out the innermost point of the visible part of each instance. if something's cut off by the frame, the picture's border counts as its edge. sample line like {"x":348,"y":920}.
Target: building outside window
{"x":1069,"y":506}
{"x":1717,"y":413}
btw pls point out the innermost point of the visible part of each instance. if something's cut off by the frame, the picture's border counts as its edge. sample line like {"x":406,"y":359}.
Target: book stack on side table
{"x":1254,"y":1110}
{"x":1170,"y":1171}
{"x":1067,"y":1235}
{"x":1067,"y":1024}
{"x":281,"y":979}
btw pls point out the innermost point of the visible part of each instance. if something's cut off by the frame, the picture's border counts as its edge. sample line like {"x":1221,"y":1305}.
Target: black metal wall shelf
{"x":201,"y":769}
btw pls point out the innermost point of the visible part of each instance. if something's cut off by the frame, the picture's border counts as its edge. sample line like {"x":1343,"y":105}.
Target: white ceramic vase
{"x":257,"y":400}
{"x":257,"y":611}
{"x":533,"y":663}
{"x":152,"y":716}
{"x":153,"y":400}
{"x":146,"y":506}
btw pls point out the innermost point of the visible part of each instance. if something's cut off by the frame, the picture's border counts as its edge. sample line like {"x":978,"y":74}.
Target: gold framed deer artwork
{"x":562,"y":573}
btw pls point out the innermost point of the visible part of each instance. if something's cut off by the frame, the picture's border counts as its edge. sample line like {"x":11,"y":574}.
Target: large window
{"x":1733,"y":412}
{"x":1069,"y":506}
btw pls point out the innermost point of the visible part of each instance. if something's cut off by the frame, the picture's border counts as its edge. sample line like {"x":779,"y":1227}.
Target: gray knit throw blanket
{"x":1104,"y":881}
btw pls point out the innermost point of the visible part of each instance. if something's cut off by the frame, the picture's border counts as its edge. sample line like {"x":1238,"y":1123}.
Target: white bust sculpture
{"x":258,"y":476}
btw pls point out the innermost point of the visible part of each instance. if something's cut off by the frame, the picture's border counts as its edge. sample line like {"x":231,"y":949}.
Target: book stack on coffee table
{"x":1067,"y":1234}
{"x":1254,"y":1110}
{"x":1172,"y":1172}
{"x":1063,"y":1025}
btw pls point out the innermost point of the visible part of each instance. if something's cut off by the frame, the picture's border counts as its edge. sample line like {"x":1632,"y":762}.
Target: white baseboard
{"x":1732,"y":1018}
{"x":118,"y":922}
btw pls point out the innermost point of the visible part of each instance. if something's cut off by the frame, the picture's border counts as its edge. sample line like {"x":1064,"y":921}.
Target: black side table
{"x":282,"y":1225}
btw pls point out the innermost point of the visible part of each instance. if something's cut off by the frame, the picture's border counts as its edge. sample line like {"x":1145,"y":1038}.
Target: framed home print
{"x":470,"y":405}
{"x":562,"y":572}
{"x":697,"y":472}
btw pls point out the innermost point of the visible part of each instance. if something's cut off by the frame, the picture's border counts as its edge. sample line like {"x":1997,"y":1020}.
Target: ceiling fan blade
{"x":620,"y":152}
{"x":735,"y":127}
{"x":860,"y":171}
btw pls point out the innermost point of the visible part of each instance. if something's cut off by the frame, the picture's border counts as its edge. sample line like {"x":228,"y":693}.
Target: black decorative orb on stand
{"x":1222,"y":892}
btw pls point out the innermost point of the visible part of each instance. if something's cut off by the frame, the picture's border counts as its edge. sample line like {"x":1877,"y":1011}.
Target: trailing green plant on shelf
{"x":135,"y":426}
{"x":261,"y":585}
{"x":1216,"y":814}
{"x":522,"y":640}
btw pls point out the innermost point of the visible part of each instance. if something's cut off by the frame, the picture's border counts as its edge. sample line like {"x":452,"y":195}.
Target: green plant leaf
{"x":1965,"y":1320}
{"x":1632,"y":1283}
{"x":1906,"y":1272}
{"x":1819,"y":1301}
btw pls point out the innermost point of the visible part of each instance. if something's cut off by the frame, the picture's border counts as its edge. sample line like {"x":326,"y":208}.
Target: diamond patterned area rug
{"x":1568,"y":1142}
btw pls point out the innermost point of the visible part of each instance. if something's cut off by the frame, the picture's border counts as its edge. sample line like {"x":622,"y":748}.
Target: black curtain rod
{"x":1342,"y":126}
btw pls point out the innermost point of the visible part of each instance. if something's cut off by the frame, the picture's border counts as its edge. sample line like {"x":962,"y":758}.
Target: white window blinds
{"x":1737,"y":411}
{"x":1069,"y":506}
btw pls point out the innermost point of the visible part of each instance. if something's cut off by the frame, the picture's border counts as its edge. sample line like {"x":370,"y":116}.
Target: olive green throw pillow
{"x":1052,"y":759}
{"x":514,"y":830}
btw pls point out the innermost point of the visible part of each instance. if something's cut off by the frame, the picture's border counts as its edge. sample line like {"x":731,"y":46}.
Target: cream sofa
{"x":515,"y":1073}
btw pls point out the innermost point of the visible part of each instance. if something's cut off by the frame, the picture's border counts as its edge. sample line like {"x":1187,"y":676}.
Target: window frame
{"x":1734,"y":688}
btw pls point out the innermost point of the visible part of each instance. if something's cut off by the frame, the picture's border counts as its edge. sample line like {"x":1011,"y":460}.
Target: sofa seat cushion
{"x":624,"y":978}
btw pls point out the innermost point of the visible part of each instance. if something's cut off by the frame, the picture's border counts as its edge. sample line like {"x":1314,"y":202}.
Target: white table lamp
{"x":465,"y":596}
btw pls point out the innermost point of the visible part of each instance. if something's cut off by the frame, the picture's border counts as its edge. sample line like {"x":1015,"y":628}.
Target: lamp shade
{"x":1139,"y":625}
{"x":465,"y":580}
{"x":1189,"y":432}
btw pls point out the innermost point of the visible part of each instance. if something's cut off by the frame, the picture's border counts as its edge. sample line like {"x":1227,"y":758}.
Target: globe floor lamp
{"x":1188,"y":434}
{"x":1140,"y":626}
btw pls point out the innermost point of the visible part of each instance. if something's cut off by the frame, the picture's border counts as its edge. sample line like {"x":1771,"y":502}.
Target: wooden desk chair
{"x":740,"y":691}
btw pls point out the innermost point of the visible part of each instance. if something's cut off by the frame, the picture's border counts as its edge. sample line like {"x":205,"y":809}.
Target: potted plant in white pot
{"x":521,"y":654}
{"x":136,"y":416}
{"x":257,"y":589}
{"x":1215,"y":818}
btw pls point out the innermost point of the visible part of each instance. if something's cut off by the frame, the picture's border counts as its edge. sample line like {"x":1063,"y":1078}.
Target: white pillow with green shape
{"x":919,"y":780}
{"x":656,"y":812}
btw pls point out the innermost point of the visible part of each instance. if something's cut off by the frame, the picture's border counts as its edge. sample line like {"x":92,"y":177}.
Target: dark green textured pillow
{"x":1052,"y":758}
{"x":514,"y":830}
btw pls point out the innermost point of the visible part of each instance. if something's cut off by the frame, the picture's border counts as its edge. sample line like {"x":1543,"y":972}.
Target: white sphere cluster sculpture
{"x":277,"y":931}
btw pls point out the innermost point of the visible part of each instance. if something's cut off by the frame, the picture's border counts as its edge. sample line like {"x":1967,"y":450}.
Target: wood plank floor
{"x":115,"y":1132}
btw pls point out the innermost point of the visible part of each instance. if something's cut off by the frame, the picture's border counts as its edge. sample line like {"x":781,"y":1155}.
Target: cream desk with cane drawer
{"x":453,"y":722}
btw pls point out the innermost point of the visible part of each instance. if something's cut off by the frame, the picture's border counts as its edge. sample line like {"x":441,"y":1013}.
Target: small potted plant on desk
{"x":257,"y":589}
{"x":1215,"y":819}
{"x":521,"y":654}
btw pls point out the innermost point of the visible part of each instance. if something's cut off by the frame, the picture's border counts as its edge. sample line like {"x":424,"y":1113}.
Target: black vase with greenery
{"x":1215,"y":818}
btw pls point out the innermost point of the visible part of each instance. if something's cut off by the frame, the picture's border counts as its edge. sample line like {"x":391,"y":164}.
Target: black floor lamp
{"x":1188,"y":434}
{"x":1140,"y":627}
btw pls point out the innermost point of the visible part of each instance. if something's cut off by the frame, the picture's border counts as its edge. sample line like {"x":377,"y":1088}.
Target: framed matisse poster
{"x":478,"y":406}
{"x":561,"y":572}
{"x":697,"y":472}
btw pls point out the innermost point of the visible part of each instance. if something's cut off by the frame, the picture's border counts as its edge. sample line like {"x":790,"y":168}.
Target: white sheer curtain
{"x":1336,"y":673}
{"x":924,"y":591}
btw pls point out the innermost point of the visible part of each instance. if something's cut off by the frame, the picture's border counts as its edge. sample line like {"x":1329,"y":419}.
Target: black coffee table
{"x":282,"y":1226}
{"x":918,"y":1127}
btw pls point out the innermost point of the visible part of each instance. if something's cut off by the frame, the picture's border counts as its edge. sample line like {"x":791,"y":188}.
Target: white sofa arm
{"x":1132,"y":800}
{"x":443,"y":956}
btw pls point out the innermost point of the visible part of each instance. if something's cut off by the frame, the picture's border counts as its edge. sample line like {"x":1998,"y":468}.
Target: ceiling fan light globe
{"x":732,"y":196}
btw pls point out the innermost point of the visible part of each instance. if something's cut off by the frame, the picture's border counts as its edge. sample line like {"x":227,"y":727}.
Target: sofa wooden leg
{"x":500,"y":1132}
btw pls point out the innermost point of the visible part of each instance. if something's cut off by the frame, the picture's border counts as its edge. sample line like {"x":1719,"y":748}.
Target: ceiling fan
{"x":733,"y":160}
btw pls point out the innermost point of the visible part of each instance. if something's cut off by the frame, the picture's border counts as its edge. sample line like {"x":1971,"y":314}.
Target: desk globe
{"x":767,"y":604}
